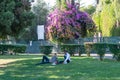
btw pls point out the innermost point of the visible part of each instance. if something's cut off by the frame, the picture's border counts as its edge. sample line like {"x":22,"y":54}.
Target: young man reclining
{"x":46,"y":60}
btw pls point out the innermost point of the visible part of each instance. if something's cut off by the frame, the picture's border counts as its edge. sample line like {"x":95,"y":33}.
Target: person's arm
{"x":67,"y":57}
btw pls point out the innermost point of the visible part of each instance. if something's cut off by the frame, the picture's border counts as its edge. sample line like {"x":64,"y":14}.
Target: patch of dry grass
{"x":5,"y":62}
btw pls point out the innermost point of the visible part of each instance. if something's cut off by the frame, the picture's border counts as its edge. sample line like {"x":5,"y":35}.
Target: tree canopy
{"x":67,"y":22}
{"x":107,"y":17}
{"x":40,"y":9}
{"x":15,"y":16}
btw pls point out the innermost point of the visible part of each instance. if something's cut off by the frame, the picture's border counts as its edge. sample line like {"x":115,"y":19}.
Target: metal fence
{"x":34,"y":46}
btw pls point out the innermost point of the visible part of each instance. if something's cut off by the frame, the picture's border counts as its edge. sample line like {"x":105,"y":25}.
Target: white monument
{"x":40,"y":32}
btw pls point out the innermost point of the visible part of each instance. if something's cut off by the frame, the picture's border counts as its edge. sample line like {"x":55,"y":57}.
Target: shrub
{"x":69,"y":47}
{"x":81,"y":49}
{"x":100,"y":48}
{"x":12,"y":48}
{"x":46,"y":49}
{"x":72,"y":48}
{"x":19,"y":48}
{"x":4,"y":48}
{"x":88,"y":48}
{"x":115,"y":49}
{"x":68,"y":23}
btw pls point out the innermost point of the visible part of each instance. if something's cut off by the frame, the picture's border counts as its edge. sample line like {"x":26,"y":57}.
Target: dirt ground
{"x":5,"y":62}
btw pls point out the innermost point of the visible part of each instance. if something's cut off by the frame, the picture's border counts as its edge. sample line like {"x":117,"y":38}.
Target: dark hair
{"x":55,"y":53}
{"x":65,"y":50}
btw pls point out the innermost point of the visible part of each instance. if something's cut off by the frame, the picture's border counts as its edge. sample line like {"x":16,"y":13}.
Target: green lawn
{"x":81,"y":68}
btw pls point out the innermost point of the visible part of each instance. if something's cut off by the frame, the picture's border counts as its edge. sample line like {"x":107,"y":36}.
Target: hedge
{"x":115,"y":49}
{"x":14,"y":48}
{"x":100,"y":49}
{"x":88,"y":47}
{"x":73,"y":48}
{"x":46,"y":49}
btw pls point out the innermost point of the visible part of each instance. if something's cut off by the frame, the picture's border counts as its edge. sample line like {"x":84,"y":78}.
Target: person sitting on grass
{"x":46,"y":60}
{"x":66,"y":58}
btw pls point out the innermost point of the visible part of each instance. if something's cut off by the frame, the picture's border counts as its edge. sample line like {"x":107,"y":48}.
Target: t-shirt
{"x":53,"y":59}
{"x":67,"y":57}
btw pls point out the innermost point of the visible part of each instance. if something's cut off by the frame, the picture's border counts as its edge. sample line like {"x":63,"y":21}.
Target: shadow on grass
{"x":78,"y":69}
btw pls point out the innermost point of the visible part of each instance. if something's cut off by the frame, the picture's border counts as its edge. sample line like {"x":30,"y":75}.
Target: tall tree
{"x":67,"y":22}
{"x":40,"y":9}
{"x":90,"y":9}
{"x":117,"y":12}
{"x":6,"y":16}
{"x":107,"y":17}
{"x":15,"y":16}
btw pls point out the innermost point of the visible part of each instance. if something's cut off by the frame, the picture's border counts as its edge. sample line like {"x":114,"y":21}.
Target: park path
{"x":94,"y":55}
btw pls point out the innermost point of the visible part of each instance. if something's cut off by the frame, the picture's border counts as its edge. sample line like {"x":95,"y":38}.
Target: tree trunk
{"x":88,"y":54}
{"x":117,"y":23}
{"x":101,"y":57}
{"x":79,"y":54}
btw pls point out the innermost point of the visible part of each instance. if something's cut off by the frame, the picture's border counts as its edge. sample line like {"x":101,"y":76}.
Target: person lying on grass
{"x":45,"y":60}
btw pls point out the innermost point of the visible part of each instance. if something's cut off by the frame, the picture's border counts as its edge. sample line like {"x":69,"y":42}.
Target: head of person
{"x":65,"y":51}
{"x":55,"y":54}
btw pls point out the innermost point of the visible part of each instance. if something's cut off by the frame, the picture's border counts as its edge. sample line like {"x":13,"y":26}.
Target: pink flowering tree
{"x":67,"y":22}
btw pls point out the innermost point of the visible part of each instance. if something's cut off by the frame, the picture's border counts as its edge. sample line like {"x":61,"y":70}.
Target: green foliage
{"x":6,"y":18}
{"x":10,"y":6}
{"x":90,"y":9}
{"x":88,"y":48}
{"x":72,"y":48}
{"x":108,"y":20}
{"x":40,"y":10}
{"x":12,"y":47}
{"x":26,"y":18}
{"x":116,"y":5}
{"x":46,"y":49}
{"x":100,"y":48}
{"x":96,"y":18}
{"x":15,"y":16}
{"x":63,"y":4}
{"x":107,"y":1}
{"x":108,"y":17}
{"x":115,"y":49}
{"x":81,"y":49}
{"x":115,"y":31}
{"x":20,"y":48}
{"x":58,"y":3}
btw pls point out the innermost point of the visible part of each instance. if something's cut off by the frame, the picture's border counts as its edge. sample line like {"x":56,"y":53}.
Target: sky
{"x":85,"y":2}
{"x":88,"y":2}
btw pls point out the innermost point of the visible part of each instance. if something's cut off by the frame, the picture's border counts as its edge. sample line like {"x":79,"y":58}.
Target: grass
{"x":81,"y":68}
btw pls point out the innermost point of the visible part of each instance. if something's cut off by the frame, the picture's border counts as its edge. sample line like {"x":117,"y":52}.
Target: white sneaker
{"x":53,"y":64}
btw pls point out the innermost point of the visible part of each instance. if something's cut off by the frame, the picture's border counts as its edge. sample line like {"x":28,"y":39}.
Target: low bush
{"x":100,"y":49}
{"x":81,"y":49}
{"x":115,"y":49}
{"x":88,"y":48}
{"x":46,"y":49}
{"x":12,"y":48}
{"x":19,"y":48}
{"x":72,"y":48}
